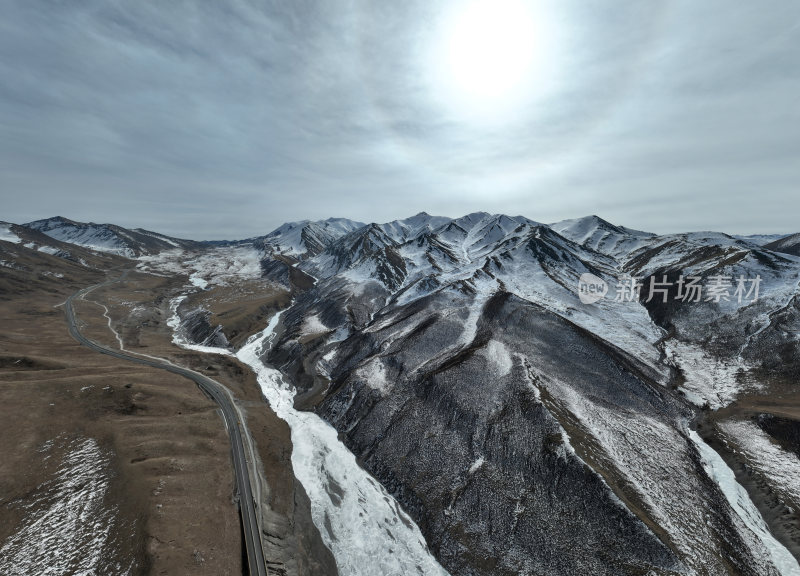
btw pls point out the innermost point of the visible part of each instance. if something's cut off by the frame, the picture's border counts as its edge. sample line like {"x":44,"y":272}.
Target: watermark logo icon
{"x":591,"y":288}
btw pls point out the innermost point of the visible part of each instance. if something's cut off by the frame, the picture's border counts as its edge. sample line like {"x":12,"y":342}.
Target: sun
{"x":492,"y":58}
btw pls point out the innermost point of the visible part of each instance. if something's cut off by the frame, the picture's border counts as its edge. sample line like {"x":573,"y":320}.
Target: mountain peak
{"x":308,"y":237}
{"x":53,"y":221}
{"x":600,"y":235}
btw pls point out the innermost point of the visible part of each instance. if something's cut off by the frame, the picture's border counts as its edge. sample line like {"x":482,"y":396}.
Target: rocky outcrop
{"x":196,"y":327}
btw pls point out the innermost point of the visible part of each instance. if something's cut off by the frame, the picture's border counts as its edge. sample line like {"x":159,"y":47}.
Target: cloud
{"x":223,"y":119}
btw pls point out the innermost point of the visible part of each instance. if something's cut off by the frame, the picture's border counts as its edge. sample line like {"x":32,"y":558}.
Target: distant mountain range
{"x":309,"y":238}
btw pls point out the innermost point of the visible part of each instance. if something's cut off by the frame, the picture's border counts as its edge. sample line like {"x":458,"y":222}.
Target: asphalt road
{"x":220,"y":395}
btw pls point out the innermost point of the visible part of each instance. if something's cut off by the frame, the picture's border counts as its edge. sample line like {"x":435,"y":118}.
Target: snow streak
{"x":66,"y":528}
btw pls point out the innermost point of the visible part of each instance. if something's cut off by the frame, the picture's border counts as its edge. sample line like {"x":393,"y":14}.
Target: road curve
{"x":220,"y":395}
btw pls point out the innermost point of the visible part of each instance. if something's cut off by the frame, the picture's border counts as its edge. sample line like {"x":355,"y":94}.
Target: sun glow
{"x":494,"y":57}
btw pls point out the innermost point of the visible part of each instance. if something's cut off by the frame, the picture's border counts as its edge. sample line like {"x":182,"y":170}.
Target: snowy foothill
{"x":643,"y":450}
{"x":164,"y":239}
{"x":601,"y":236}
{"x":91,"y":236}
{"x":656,"y":460}
{"x":292,"y":238}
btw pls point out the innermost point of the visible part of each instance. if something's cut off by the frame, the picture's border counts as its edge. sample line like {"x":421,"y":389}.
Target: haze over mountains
{"x":523,"y":431}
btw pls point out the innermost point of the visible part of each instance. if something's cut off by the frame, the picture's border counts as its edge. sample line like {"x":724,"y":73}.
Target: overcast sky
{"x":224,"y":119}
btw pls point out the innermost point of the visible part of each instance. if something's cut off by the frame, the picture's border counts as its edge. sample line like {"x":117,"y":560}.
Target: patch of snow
{"x":12,"y":265}
{"x":477,"y":465}
{"x":530,"y":378}
{"x":197,"y":280}
{"x":499,"y":356}
{"x":313,"y":325}
{"x":7,"y":235}
{"x":49,"y":250}
{"x":52,"y":274}
{"x":374,"y":374}
{"x":471,"y":324}
{"x":158,"y":237}
{"x":717,"y":381}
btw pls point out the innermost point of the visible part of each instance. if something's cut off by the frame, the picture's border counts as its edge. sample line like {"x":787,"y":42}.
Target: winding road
{"x":223,"y":398}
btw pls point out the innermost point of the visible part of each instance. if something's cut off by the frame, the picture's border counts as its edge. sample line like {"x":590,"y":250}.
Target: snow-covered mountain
{"x":525,"y":429}
{"x":306,"y":238}
{"x":108,"y":237}
{"x":462,"y":368}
